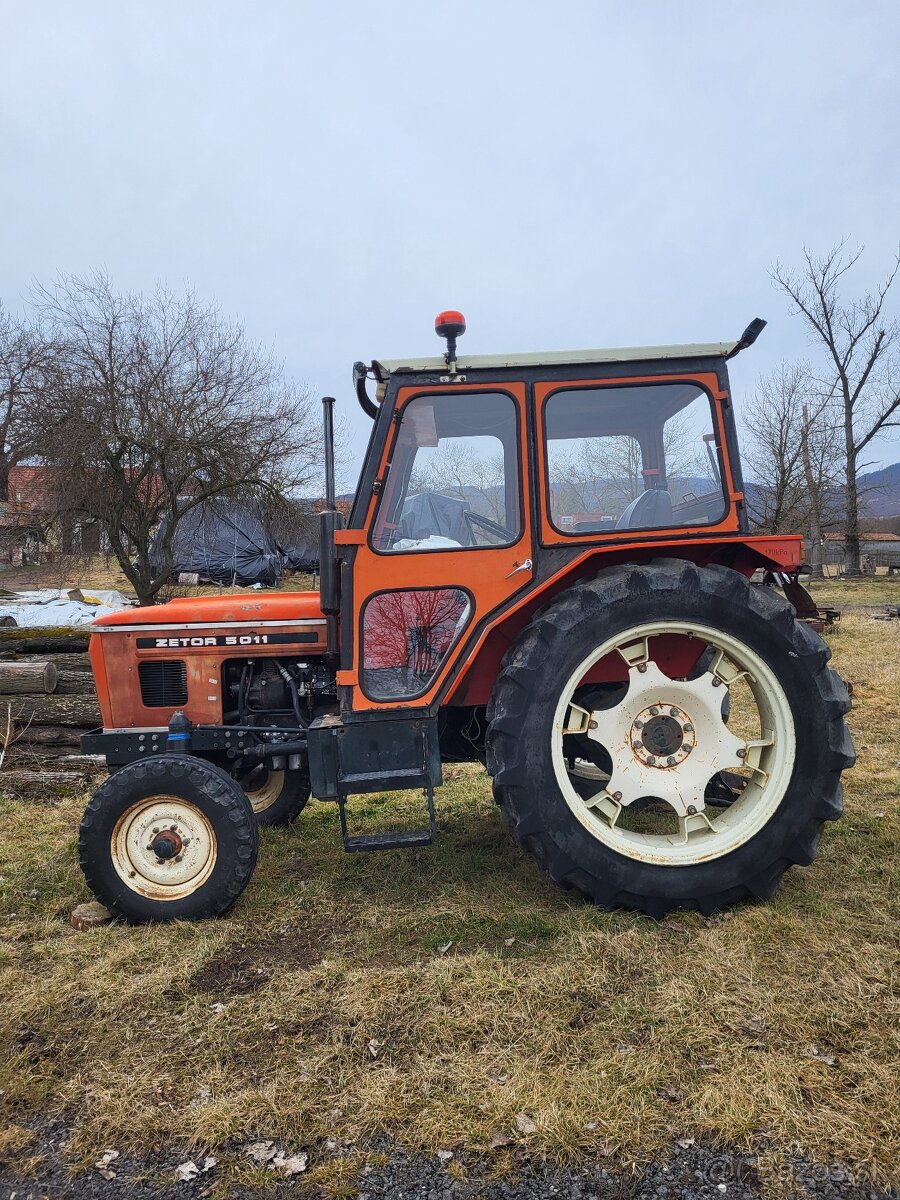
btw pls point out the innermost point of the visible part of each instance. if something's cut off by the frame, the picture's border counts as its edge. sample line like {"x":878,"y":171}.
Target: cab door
{"x":446,"y":541}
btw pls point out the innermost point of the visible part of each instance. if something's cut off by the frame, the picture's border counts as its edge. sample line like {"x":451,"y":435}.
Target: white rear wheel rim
{"x":684,"y":716}
{"x":164,"y":848}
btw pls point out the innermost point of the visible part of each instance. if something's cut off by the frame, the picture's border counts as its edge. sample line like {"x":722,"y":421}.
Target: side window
{"x":641,"y":457}
{"x":453,"y":480}
{"x":406,"y":636}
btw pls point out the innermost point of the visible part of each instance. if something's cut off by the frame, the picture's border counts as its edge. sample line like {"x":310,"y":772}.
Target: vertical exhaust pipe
{"x":329,"y":520}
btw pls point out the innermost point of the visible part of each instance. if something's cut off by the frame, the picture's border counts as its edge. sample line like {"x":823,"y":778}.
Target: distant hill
{"x":880,"y":492}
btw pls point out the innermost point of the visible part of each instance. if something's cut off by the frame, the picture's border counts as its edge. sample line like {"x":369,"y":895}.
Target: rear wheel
{"x":168,"y":838}
{"x":690,"y":748}
{"x":276,"y":797}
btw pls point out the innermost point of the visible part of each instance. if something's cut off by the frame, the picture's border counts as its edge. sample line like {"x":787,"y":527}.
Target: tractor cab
{"x":493,"y":480}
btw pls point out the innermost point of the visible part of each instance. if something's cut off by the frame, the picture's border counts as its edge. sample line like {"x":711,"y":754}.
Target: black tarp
{"x":223,"y":543}
{"x":295,"y":529}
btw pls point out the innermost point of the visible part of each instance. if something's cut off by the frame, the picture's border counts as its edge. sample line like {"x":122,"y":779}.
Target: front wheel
{"x":276,"y":797}
{"x":689,"y":749}
{"x":168,"y":838}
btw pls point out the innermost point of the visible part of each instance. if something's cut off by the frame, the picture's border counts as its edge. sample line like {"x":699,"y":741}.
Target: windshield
{"x":453,"y":480}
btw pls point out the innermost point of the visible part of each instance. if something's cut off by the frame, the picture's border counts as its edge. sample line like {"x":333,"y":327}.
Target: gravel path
{"x":691,"y":1173}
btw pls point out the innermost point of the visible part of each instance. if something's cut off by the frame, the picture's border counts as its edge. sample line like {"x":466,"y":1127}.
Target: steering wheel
{"x":477,"y":521}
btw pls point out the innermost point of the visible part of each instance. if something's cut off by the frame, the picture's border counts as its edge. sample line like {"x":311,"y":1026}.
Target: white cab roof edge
{"x":559,"y":358}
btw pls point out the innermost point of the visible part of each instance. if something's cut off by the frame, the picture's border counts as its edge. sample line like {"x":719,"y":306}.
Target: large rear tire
{"x":168,"y":838}
{"x":667,"y":790}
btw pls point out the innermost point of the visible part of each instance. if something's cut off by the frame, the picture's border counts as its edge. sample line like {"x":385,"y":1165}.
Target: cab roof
{"x":385,"y":367}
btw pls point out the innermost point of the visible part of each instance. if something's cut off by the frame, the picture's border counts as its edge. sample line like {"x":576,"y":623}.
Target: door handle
{"x":522,"y":566}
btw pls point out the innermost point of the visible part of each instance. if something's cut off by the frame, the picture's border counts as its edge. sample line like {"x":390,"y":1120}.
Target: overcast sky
{"x":568,"y":173}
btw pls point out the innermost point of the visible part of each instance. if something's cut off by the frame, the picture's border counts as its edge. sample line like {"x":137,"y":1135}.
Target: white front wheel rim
{"x":164,"y":848}
{"x":263,"y":787}
{"x":666,"y":739}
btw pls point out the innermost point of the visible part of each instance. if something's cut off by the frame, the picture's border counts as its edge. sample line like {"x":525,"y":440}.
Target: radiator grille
{"x":163,"y":683}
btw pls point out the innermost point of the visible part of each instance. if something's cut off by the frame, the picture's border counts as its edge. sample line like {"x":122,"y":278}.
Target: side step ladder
{"x":395,"y":839}
{"x":375,"y":755}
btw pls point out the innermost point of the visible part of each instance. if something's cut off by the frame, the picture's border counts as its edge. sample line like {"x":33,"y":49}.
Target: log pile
{"x":47,"y":687}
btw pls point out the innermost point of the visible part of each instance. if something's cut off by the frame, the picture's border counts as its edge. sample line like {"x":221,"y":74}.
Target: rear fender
{"x":743,"y":554}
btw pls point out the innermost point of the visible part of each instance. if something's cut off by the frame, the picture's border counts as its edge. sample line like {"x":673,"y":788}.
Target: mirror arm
{"x":369,"y":407}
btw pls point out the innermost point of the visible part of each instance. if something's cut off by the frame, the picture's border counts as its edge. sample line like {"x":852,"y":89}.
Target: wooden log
{"x":76,"y":683}
{"x":43,"y":641}
{"x":28,"y":678}
{"x":79,"y":711}
{"x":9,"y":780}
{"x":47,"y":737}
{"x":64,"y":662}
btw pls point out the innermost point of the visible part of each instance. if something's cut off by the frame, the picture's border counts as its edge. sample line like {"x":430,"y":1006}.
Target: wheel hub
{"x":673,"y":739}
{"x":167,"y":843}
{"x":662,"y":736}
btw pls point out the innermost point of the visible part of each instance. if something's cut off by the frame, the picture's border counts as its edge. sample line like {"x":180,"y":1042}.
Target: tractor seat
{"x":651,"y":510}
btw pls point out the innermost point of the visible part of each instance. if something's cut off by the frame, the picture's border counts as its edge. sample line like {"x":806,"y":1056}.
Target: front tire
{"x":168,"y":838}
{"x":276,"y":797}
{"x":612,"y":775}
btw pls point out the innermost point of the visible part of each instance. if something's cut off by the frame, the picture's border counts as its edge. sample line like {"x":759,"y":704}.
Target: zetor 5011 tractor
{"x":546,"y":569}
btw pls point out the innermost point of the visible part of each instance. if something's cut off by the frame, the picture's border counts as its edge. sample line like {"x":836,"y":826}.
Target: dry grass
{"x":869,"y":590}
{"x":342,"y":1016}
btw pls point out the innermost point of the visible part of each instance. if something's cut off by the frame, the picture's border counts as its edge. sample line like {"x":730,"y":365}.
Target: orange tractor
{"x":546,"y":569}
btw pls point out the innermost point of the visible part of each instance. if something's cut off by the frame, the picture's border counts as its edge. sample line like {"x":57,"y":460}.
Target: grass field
{"x":436,"y":995}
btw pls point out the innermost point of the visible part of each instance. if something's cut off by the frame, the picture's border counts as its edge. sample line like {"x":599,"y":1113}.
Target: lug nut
{"x":688,"y":729}
{"x":670,"y":762}
{"x":639,"y":724}
{"x":673,"y":712}
{"x":654,"y":711}
{"x":651,"y":760}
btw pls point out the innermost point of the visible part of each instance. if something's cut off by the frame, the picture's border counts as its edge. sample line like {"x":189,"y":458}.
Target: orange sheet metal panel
{"x":745,"y":552}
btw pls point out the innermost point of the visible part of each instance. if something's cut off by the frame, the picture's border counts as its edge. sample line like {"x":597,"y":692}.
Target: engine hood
{"x":221,"y":610}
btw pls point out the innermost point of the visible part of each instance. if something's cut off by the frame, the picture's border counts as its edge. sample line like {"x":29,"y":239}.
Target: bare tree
{"x":23,"y":356}
{"x":820,"y":453}
{"x":860,"y":343}
{"x":155,"y":405}
{"x":793,"y":455}
{"x":772,"y":455}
